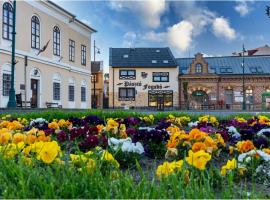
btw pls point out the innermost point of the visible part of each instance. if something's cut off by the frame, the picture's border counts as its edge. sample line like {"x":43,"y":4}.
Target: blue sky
{"x":187,"y":27}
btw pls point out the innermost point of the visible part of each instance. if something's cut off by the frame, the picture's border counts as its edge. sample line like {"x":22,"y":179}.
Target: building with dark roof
{"x":152,"y":78}
{"x":143,"y":78}
{"x":217,"y":82}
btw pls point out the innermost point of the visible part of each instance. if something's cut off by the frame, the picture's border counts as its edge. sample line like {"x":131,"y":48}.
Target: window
{"x":228,"y":96}
{"x":154,"y":61}
{"x":256,"y":70}
{"x":83,"y":54}
{"x":126,"y":94}
{"x":35,"y":33}
{"x":125,"y":56}
{"x":94,"y":78}
{"x":56,"y":41}
{"x":165,"y":61}
{"x":7,"y":21}
{"x":127,"y":74}
{"x":249,"y":96}
{"x":71,"y":50}
{"x":160,"y":76}
{"x":56,"y":91}
{"x":152,"y":100}
{"x":168,"y":100}
{"x":226,"y":70}
{"x":6,"y":84}
{"x":198,"y":68}
{"x":71,"y":92}
{"x":83,"y":94}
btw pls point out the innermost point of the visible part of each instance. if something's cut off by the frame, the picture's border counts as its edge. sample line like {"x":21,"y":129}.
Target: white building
{"x":61,"y":73}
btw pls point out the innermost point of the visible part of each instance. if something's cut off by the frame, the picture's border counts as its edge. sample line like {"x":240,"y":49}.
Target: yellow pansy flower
{"x":198,"y":159}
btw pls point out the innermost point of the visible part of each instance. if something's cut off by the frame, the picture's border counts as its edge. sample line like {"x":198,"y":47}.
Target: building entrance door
{"x":34,"y":90}
{"x":160,"y":99}
{"x":160,"y":102}
{"x":199,"y":98}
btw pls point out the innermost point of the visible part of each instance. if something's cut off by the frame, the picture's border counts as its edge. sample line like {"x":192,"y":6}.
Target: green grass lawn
{"x":22,"y":181}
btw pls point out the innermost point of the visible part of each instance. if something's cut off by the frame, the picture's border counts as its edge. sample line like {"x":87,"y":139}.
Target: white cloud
{"x":129,"y":39}
{"x":178,"y":36}
{"x":242,"y":8}
{"x":149,"y":11}
{"x":207,"y":55}
{"x":154,"y":37}
{"x":222,"y":29}
{"x":194,"y":21}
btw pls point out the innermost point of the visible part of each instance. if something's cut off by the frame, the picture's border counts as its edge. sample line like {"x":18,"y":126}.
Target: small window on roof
{"x":253,"y":69}
{"x":165,"y":61}
{"x":259,"y":70}
{"x":125,"y":56}
{"x":226,"y":70}
{"x":154,"y":61}
{"x":157,"y":50}
{"x":256,"y":70}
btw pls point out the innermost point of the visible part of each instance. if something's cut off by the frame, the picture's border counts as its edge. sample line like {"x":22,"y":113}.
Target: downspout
{"x":180,"y":91}
{"x":113,"y":87}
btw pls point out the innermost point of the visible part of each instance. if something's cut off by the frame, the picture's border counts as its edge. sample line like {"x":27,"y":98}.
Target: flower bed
{"x":206,"y":158}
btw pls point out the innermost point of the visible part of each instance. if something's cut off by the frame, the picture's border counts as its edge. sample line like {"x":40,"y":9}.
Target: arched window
{"x":56,"y":41}
{"x":35,"y":32}
{"x":198,"y":68}
{"x":7,"y":27}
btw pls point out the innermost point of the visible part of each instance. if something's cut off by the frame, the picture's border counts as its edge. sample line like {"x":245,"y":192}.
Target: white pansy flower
{"x":192,"y":124}
{"x":233,"y":132}
{"x":126,"y":145}
{"x":263,"y":155}
{"x":262,"y":131}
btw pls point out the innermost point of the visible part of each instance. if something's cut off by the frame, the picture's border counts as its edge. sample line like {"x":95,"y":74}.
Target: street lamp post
{"x":243,"y":79}
{"x":94,"y":75}
{"x":12,"y":99}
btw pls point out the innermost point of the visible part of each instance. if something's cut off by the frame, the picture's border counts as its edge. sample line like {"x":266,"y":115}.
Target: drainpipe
{"x":25,"y":88}
{"x":180,"y":91}
{"x":113,"y":87}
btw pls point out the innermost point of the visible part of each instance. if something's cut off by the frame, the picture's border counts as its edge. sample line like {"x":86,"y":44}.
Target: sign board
{"x":238,"y":99}
{"x":237,"y":93}
{"x":213,"y":98}
{"x":143,"y":86}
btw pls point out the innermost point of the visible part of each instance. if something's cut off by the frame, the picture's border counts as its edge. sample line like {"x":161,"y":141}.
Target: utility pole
{"x":12,"y":98}
{"x":243,"y":79}
{"x":94,"y":78}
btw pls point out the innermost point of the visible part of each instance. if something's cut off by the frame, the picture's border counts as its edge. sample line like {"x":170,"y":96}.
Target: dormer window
{"x":125,"y":56}
{"x":198,"y":68}
{"x":154,"y":61}
{"x":165,"y":61}
{"x":157,"y":50}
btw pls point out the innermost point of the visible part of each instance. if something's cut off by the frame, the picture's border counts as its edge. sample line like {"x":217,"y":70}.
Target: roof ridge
{"x":252,"y":56}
